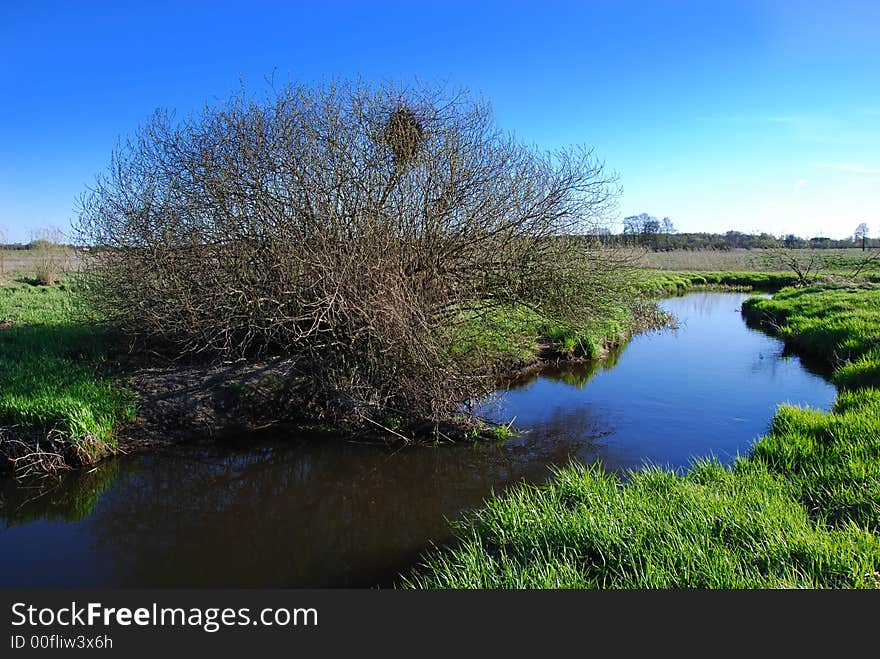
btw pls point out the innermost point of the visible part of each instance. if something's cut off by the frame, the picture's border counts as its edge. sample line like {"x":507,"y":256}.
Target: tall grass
{"x":711,"y":528}
{"x":802,"y":510}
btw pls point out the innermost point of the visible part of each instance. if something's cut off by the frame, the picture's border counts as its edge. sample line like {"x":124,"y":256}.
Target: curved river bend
{"x":286,"y":512}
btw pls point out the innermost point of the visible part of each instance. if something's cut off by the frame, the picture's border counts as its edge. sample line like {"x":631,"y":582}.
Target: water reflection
{"x":284,"y":514}
{"x":289,"y":512}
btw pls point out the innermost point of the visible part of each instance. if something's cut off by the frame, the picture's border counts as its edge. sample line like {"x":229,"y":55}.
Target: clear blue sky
{"x":756,"y":116}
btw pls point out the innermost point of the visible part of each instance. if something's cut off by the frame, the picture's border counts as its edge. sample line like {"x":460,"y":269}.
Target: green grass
{"x":802,"y":510}
{"x":54,"y":372}
{"x":516,"y":333}
{"x":711,"y":528}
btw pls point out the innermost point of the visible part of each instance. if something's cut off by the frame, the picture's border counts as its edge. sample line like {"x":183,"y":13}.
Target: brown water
{"x":286,"y":511}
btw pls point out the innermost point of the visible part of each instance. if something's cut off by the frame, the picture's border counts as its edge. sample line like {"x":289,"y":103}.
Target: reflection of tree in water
{"x":315,"y":515}
{"x":68,"y":498}
{"x":706,"y":304}
{"x":576,"y":374}
{"x":577,"y":428}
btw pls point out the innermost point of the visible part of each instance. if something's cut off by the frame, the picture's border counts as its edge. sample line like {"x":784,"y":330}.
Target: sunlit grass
{"x":516,"y":333}
{"x":54,"y":371}
{"x":711,"y":528}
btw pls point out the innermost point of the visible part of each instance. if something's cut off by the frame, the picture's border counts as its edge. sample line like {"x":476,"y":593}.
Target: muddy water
{"x":287,"y":511}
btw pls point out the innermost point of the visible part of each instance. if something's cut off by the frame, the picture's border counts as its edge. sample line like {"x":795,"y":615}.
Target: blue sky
{"x":755,"y":116}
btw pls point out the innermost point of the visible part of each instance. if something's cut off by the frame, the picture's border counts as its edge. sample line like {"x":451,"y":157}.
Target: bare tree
{"x":650,"y":229}
{"x":355,"y":229}
{"x":642,"y":227}
{"x":862,"y":234}
{"x":668,"y":228}
{"x":632,"y":226}
{"x":805,"y":264}
{"x":51,"y":255}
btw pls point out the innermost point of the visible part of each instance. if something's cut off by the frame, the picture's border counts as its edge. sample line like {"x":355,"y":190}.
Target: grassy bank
{"x":520,"y":334}
{"x":670,"y":282}
{"x":55,"y":384}
{"x":838,"y":323}
{"x":802,"y":510}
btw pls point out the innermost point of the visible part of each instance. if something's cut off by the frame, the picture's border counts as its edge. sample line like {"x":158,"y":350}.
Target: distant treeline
{"x":666,"y":239}
{"x":647,"y":231}
{"x":34,"y":244}
{"x":732,"y":240}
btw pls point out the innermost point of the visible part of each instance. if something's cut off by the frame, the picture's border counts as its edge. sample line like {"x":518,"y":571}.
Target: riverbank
{"x":73,"y":395}
{"x":801,"y":510}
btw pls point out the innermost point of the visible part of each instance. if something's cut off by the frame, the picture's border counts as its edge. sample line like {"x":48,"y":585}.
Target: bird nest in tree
{"x":403,"y":134}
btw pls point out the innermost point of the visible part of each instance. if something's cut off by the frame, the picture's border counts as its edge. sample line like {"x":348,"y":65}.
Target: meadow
{"x":833,"y":261}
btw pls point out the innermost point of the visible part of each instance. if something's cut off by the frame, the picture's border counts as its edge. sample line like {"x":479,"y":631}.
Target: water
{"x":709,"y":388}
{"x":289,"y":512}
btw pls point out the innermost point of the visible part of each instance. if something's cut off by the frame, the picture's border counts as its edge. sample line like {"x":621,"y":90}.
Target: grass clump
{"x":54,"y":375}
{"x":519,"y":333}
{"x":711,"y":528}
{"x":802,"y":510}
{"x":831,"y":461}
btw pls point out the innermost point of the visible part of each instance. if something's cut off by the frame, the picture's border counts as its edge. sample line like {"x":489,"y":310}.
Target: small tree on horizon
{"x":50,"y":255}
{"x":668,"y":228}
{"x":862,"y":234}
{"x":650,"y":229}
